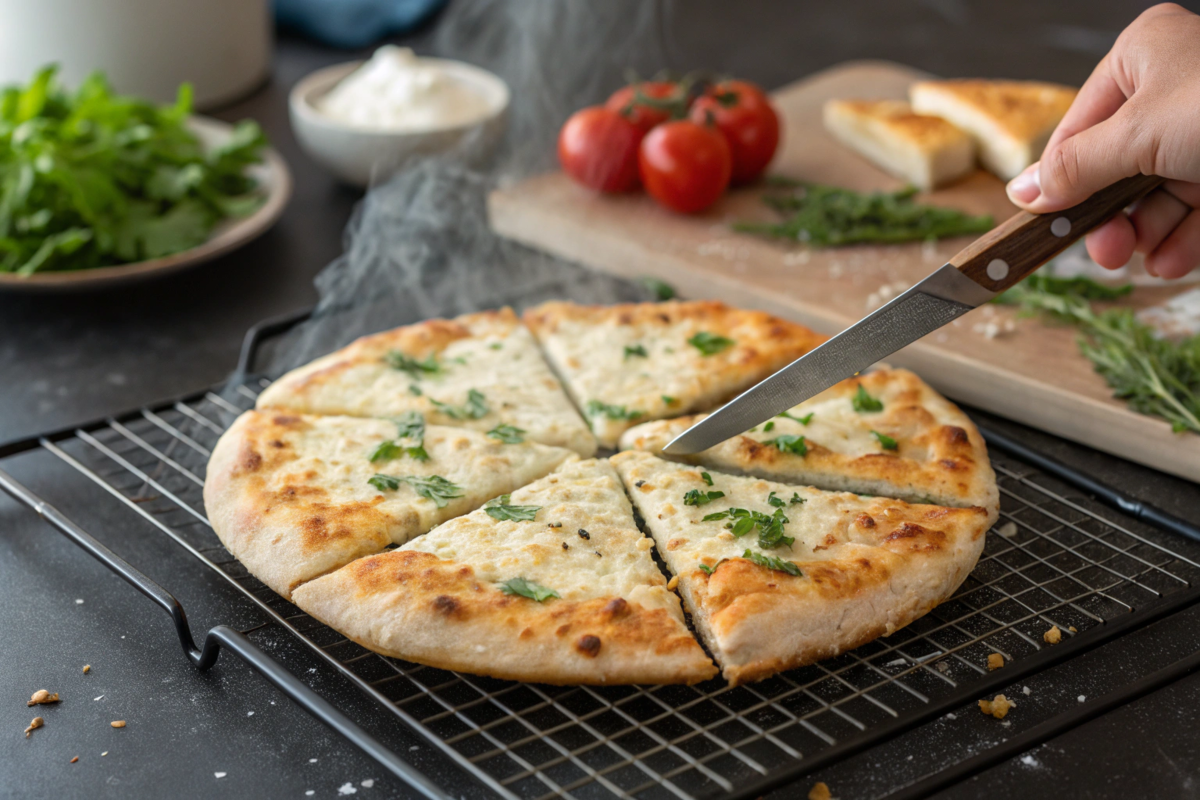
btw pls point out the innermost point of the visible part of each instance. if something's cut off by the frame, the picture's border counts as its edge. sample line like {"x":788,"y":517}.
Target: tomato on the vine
{"x":744,"y":115}
{"x":599,"y":148}
{"x":640,"y":114}
{"x":684,"y":166}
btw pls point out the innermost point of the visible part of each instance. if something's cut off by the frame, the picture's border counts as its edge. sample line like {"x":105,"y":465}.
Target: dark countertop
{"x":66,"y":359}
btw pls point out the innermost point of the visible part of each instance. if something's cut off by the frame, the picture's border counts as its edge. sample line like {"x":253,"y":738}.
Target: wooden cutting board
{"x":1033,"y":374}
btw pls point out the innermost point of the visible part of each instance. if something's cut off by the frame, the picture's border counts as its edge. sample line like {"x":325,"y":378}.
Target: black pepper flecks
{"x":584,"y":534}
{"x":566,"y":546}
{"x":597,"y":552}
{"x":555,"y":524}
{"x":640,"y":484}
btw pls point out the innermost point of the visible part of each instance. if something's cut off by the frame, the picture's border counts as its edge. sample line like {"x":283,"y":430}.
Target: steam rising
{"x":419,"y":245}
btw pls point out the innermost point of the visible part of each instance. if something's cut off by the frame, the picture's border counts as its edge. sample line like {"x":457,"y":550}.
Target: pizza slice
{"x":883,"y":433}
{"x":553,"y":583}
{"x":627,"y":364}
{"x":479,"y":371}
{"x":294,"y":496}
{"x":778,"y":576}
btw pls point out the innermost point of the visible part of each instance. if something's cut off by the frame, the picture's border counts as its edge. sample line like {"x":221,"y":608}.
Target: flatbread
{"x":290,"y":494}
{"x":489,"y":352}
{"x":437,"y":600}
{"x":598,"y":351}
{"x":869,"y":566}
{"x":940,"y":457}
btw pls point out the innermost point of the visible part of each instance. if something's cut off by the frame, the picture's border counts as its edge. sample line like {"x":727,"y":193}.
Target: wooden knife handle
{"x":1022,"y":243}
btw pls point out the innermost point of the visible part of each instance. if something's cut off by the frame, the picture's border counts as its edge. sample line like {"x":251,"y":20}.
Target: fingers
{"x":1179,"y":254}
{"x":1112,"y":244}
{"x":1155,"y":217}
{"x":1098,"y":100}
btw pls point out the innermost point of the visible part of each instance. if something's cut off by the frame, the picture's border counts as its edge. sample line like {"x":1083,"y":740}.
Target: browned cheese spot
{"x":588,"y":645}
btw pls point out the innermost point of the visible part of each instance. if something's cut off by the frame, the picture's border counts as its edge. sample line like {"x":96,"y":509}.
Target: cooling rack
{"x":1055,"y":558}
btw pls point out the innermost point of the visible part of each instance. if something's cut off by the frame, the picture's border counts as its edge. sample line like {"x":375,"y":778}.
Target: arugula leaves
{"x":597,"y":409}
{"x":527,"y":588}
{"x":772,"y":562}
{"x":635,"y":350}
{"x":89,"y":178}
{"x":432,"y":487}
{"x":864,"y":403}
{"x":414,"y":367}
{"x":885,"y":441}
{"x":499,"y":508}
{"x":825,"y":216}
{"x":695,"y":497}
{"x":474,"y":408}
{"x":709,"y":344}
{"x":789,"y":443}
{"x":508,"y":434}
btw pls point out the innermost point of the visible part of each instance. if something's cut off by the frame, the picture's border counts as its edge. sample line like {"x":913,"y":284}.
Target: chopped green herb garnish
{"x":885,"y":441}
{"x":828,"y":216}
{"x":597,"y":409}
{"x":397,"y":360}
{"x":474,"y":408}
{"x":495,"y":346}
{"x":432,"y":487}
{"x":789,"y":443}
{"x":770,"y":426}
{"x":386,"y":451}
{"x":695,"y":497}
{"x":796,"y":500}
{"x":771,"y":562}
{"x":661,"y":290}
{"x":669,"y":400}
{"x":807,"y":418}
{"x":499,"y":508}
{"x":707,"y":478}
{"x":636,"y":350}
{"x":742,"y":521}
{"x":709,"y":344}
{"x":410,"y":425}
{"x":772,"y":500}
{"x":710,"y":570}
{"x":865,"y":404}
{"x":507,"y":434}
{"x":527,"y":588}
{"x":414,"y":390}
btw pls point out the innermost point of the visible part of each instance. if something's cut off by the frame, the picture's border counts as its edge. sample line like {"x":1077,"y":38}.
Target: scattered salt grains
{"x":79,"y":602}
{"x":94,"y":699}
{"x":414,"y":747}
{"x":797,"y":258}
{"x":368,"y":783}
{"x":249,"y":713}
{"x":220,"y":774}
{"x":1082,"y":698}
{"x":1007,"y":530}
{"x":1026,"y":691}
{"x":899,"y":662}
{"x":312,"y":761}
{"x":1030,"y":761}
{"x":347,"y":788}
{"x":309,"y":793}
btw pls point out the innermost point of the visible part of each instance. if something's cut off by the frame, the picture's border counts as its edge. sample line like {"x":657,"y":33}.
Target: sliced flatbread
{"x":925,"y":150}
{"x":938,"y":457}
{"x":626,"y":364}
{"x":858,"y":567}
{"x":1011,"y":121}
{"x":476,"y":371}
{"x":292,"y":496}
{"x":585,"y":601}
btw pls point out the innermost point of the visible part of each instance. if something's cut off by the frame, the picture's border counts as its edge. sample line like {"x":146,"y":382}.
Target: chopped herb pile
{"x":636,"y":350}
{"x":432,"y":487}
{"x":507,"y":434}
{"x":474,"y":408}
{"x":90,"y":178}
{"x":415,"y":368}
{"x":527,"y":588}
{"x":1154,"y":376}
{"x":789,"y":443}
{"x":864,"y":403}
{"x":499,"y":508}
{"x":743,"y":520}
{"x":698,"y":498}
{"x":771,"y":562}
{"x":826,"y":216}
{"x":709,"y":344}
{"x":885,"y":441}
{"x":597,"y":409}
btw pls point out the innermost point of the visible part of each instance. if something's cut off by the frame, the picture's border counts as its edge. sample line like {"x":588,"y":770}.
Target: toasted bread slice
{"x":1011,"y":121}
{"x":924,"y":150}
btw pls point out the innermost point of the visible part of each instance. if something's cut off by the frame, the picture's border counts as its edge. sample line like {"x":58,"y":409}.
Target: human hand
{"x":1139,"y":112}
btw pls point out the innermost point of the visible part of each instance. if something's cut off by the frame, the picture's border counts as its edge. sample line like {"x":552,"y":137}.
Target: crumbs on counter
{"x":995,"y":661}
{"x":33,"y":726}
{"x":87,"y":668}
{"x":73,"y":760}
{"x":819,"y":791}
{"x":997,"y":707}
{"x":41,"y":697}
{"x":1052,"y":636}
{"x":118,"y":723}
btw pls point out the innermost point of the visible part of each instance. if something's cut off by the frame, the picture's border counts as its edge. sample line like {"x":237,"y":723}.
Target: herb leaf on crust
{"x":500,"y":509}
{"x":508,"y":434}
{"x":864,"y":403}
{"x":709,"y":344}
{"x":595,"y":408}
{"x":771,"y":562}
{"x":527,"y":588}
{"x":789,"y":443}
{"x":414,"y":367}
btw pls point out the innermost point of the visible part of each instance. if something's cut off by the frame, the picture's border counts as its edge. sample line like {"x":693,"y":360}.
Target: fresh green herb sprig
{"x":1155,"y":376}
{"x":885,"y":441}
{"x":1079,"y":286}
{"x":709,"y":344}
{"x":826,"y":216}
{"x":807,"y":418}
{"x":432,"y":487}
{"x":416,"y":368}
{"x":527,"y":588}
{"x":500,"y":509}
{"x":864,"y":403}
{"x":508,"y":434}
{"x":773,"y":562}
{"x":90,"y":178}
{"x":789,"y":443}
{"x":743,"y":520}
{"x":695,"y":497}
{"x":595,"y":408}
{"x":474,"y":408}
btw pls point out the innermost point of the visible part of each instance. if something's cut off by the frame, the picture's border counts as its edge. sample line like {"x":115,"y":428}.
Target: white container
{"x":352,"y":153}
{"x":146,"y":47}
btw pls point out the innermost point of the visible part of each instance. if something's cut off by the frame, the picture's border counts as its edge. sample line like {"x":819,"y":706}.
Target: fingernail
{"x":1026,"y":187}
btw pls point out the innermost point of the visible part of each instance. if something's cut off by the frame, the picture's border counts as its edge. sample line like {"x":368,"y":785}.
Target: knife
{"x":994,"y":262}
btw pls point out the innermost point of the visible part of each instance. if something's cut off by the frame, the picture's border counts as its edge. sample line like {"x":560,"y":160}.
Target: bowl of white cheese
{"x":367,"y":118}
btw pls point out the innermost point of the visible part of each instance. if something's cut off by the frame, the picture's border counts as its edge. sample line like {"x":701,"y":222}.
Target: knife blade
{"x":996,"y":261}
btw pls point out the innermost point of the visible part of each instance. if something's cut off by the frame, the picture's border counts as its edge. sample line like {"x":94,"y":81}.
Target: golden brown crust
{"x":1022,"y":109}
{"x":925,"y":132}
{"x":418,"y":603}
{"x":940,"y":457}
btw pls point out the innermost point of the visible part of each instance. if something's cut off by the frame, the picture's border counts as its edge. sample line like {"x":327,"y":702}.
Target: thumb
{"x":1076,"y":167}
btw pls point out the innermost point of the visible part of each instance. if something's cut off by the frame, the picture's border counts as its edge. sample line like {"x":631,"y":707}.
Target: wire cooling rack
{"x":1053,"y":559}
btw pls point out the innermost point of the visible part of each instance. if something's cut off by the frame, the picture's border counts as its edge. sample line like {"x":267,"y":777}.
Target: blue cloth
{"x":354,"y":23}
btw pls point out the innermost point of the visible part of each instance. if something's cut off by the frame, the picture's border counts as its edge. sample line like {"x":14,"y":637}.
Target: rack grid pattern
{"x":1050,"y":561}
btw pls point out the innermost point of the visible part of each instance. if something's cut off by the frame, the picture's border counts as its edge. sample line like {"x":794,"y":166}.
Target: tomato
{"x":684,"y":166}
{"x":599,"y":148}
{"x":645,"y":117}
{"x":743,"y":114}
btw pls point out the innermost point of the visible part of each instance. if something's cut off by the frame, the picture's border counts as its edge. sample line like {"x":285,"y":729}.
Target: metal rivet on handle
{"x":997,"y":269}
{"x":1060,"y":227}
